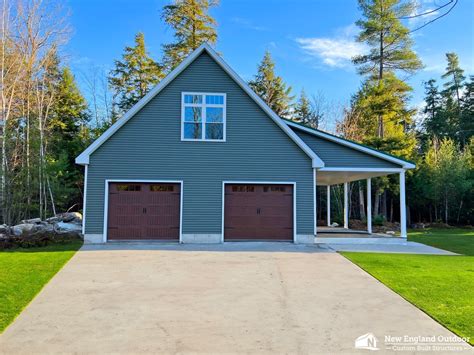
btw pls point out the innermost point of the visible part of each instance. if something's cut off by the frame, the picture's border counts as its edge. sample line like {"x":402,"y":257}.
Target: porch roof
{"x":345,"y":160}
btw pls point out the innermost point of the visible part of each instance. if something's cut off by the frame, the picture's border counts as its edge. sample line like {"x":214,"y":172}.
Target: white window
{"x":203,"y":116}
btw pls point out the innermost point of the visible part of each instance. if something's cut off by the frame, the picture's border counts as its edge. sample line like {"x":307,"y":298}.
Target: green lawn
{"x":459,"y":241}
{"x":24,"y":272}
{"x":442,"y":286}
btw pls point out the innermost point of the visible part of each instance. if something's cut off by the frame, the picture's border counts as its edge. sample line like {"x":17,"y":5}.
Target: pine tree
{"x":389,"y":42}
{"x":466,"y":126}
{"x":68,"y":136}
{"x":135,"y":75}
{"x":455,"y":75}
{"x":305,"y":113}
{"x":192,"y":26}
{"x":434,"y":122}
{"x":271,"y":87}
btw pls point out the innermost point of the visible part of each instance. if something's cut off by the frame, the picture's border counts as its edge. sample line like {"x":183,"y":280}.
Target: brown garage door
{"x":258,"y":212}
{"x":143,"y":211}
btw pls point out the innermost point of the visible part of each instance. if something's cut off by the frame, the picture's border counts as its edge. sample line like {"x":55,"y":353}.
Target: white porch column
{"x":346,"y":205}
{"x":369,"y":205}
{"x":329,"y":204}
{"x":403,"y":212}
{"x":315,"y":186}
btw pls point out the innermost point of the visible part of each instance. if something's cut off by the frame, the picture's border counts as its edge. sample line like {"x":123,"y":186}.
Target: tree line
{"x":47,"y":122}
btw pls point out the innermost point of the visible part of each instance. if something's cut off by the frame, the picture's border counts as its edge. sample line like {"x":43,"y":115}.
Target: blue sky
{"x":311,"y":40}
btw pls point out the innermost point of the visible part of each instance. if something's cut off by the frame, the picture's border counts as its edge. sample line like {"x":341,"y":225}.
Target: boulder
{"x":418,"y":226}
{"x":27,"y":235}
{"x":75,"y":217}
{"x":334,"y":224}
{"x":52,"y":219}
{"x":4,"y":229}
{"x":62,"y":226}
{"x":25,"y":228}
{"x":46,"y":227}
{"x":390,"y":232}
{"x":31,"y":221}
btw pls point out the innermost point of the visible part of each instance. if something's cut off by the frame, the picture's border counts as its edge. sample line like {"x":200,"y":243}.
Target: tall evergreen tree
{"x":305,"y":113}
{"x":466,"y":127}
{"x":389,"y":42}
{"x":271,"y":88}
{"x":455,"y":76}
{"x":434,"y":122}
{"x":134,"y":75}
{"x":192,"y":26}
{"x":68,"y":137}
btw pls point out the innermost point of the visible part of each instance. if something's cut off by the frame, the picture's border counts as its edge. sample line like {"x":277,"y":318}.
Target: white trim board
{"x":367,"y":150}
{"x":369,"y":170}
{"x":84,"y":200}
{"x":106,"y":201}
{"x":252,"y":182}
{"x":83,"y":158}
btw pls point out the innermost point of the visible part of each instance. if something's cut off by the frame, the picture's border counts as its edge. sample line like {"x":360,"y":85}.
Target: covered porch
{"x":343,"y":162}
{"x":328,"y":178}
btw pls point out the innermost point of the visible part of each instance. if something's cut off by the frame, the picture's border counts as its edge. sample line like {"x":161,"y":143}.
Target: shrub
{"x":379,"y":220}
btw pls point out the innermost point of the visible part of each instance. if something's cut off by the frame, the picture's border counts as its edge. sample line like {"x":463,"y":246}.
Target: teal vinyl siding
{"x":336,"y":155}
{"x":149,"y":146}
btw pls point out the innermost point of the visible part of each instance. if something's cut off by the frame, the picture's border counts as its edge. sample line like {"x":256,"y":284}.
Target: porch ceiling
{"x":339,"y":177}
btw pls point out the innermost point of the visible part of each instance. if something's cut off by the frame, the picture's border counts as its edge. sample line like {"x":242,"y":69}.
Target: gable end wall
{"x":149,"y":146}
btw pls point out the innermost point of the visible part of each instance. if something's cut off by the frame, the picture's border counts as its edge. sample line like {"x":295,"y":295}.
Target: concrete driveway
{"x":232,"y":298}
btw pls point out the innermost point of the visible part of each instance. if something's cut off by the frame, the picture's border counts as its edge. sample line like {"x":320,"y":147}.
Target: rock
{"x":61,"y":226}
{"x":46,"y":227}
{"x":25,"y":228}
{"x":37,"y":235}
{"x":70,"y":217}
{"x":390,"y":232}
{"x":334,"y":224}
{"x":52,"y":219}
{"x":31,"y":221}
{"x":3,"y":229}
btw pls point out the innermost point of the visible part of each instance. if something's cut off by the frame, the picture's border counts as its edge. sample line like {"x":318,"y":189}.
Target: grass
{"x":460,"y":241}
{"x":24,"y":272}
{"x":442,"y":286}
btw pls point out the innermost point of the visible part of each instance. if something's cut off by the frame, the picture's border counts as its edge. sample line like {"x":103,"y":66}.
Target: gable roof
{"x":83,"y":158}
{"x":351,"y":144}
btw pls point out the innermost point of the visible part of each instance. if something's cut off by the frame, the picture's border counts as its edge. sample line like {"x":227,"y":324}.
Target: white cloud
{"x":245,"y":23}
{"x":336,"y":51}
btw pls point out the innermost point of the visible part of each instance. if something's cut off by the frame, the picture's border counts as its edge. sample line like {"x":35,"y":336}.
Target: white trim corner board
{"x":84,"y":199}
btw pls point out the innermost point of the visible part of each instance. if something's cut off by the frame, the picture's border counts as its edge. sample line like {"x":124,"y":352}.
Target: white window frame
{"x":203,"y":105}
